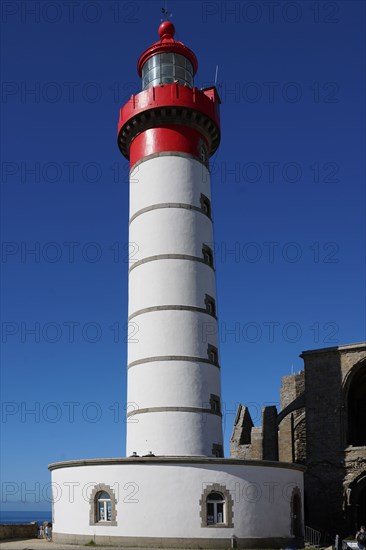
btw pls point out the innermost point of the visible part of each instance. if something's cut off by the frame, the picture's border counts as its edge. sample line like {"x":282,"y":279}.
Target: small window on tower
{"x":217,"y":450}
{"x":212,"y":354}
{"x":215,"y":403}
{"x":210,"y":305}
{"x":207,"y":255}
{"x":206,"y":205}
{"x":203,"y":154}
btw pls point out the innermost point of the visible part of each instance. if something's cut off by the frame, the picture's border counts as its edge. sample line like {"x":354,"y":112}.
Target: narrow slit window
{"x":217,"y":450}
{"x":206,"y":205}
{"x":210,"y":305}
{"x":215,"y":403}
{"x":207,"y":255}
{"x":212,"y":354}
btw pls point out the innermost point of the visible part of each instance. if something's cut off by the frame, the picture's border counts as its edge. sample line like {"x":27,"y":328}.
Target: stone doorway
{"x":296,"y":514}
{"x":361,"y":507}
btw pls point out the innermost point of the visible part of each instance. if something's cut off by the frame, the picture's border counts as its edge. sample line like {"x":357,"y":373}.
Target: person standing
{"x":361,"y":537}
{"x":48,"y":531}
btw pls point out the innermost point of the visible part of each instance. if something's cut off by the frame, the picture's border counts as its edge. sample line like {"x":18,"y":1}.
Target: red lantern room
{"x":167,"y":61}
{"x":170,"y":114}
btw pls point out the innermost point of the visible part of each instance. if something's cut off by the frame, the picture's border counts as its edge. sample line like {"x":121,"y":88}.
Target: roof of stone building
{"x":346,"y":347}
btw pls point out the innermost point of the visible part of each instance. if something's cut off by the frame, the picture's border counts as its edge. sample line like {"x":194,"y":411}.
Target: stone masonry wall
{"x":18,"y":531}
{"x":336,"y":471}
{"x":331,"y":464}
{"x":292,"y":386}
{"x":241,"y":439}
{"x":247,"y":441}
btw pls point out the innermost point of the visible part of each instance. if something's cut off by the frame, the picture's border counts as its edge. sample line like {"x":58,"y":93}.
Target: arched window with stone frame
{"x":103,"y":506}
{"x":216,"y":506}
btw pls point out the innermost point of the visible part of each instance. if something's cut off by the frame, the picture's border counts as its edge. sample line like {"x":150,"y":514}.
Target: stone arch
{"x":229,"y":503}
{"x":353,"y":403}
{"x":93,"y":511}
{"x":291,"y":422}
{"x":297,"y":527}
{"x":356,"y":500}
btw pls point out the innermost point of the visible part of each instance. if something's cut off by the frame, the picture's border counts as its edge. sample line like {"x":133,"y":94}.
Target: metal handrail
{"x":312,"y":536}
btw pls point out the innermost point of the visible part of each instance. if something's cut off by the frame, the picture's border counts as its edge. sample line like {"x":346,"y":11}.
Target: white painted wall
{"x":168,"y":179}
{"x":171,"y":282}
{"x":162,"y":500}
{"x":172,"y":332}
{"x":173,"y":433}
{"x":174,"y":282}
{"x":172,"y":383}
{"x":149,"y":391}
{"x":170,"y":231}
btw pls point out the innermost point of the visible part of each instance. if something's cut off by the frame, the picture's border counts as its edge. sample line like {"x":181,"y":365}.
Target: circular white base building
{"x":178,"y":503}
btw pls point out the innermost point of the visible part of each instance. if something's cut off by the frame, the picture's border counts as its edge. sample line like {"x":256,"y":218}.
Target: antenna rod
{"x":165,"y":11}
{"x":216,"y":73}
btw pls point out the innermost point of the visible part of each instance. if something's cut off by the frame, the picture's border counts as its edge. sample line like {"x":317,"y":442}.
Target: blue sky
{"x":288,"y":204}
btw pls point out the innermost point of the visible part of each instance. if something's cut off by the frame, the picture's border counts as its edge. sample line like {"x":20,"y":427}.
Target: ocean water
{"x":25,"y":517}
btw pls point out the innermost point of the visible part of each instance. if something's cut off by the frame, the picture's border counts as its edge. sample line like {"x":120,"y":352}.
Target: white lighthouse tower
{"x":169,"y":131}
{"x":174,"y":489}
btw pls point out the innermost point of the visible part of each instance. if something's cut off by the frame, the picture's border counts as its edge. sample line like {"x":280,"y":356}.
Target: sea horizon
{"x":25,"y":516}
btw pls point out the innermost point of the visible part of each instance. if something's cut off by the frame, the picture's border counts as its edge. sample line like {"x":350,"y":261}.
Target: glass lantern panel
{"x":180,"y":60}
{"x":154,"y":61}
{"x":180,"y":74}
{"x":166,"y":58}
{"x":167,"y":70}
{"x":154,"y":83}
{"x":154,"y":73}
{"x":189,"y":67}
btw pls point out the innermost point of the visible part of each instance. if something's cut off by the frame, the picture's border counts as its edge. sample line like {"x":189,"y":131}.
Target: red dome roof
{"x":166,"y":30}
{"x":167,"y":44}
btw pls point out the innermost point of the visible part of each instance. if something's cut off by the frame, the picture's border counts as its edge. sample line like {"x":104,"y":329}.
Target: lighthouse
{"x":168,"y":131}
{"x":174,"y":489}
